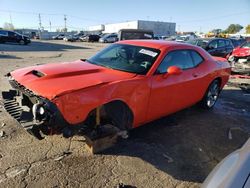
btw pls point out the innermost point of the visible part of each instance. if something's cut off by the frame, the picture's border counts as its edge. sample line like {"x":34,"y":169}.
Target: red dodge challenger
{"x":128,"y":84}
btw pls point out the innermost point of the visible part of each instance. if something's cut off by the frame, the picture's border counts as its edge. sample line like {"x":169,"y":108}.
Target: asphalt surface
{"x":176,"y":151}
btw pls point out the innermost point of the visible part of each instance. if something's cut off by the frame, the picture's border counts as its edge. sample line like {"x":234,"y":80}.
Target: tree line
{"x":231,"y":29}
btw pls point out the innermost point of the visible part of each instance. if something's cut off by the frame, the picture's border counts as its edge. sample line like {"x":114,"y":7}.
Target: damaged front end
{"x":36,"y":114}
{"x":240,"y":65}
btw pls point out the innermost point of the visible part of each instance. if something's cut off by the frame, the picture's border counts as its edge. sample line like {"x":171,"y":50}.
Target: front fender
{"x":76,"y":106}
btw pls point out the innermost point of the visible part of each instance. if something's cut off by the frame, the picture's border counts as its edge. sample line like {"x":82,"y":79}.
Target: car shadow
{"x":187,"y":145}
{"x":38,"y":46}
{"x":7,"y":56}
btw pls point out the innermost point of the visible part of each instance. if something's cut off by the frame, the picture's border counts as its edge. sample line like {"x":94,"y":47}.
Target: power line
{"x":35,"y":13}
{"x":52,"y":14}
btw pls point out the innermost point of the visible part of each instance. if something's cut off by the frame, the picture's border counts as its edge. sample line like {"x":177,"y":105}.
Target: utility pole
{"x":65,"y":23}
{"x":40,"y":25}
{"x":50,"y":26}
{"x":40,"y":21}
{"x":179,"y":28}
{"x":10,"y":18}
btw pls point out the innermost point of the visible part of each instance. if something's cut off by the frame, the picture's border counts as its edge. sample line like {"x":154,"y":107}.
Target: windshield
{"x":184,"y":38}
{"x":128,"y":58}
{"x":246,"y":45}
{"x":193,"y":42}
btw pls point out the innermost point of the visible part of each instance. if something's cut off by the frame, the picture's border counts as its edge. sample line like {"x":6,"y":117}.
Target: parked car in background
{"x":237,"y":42}
{"x":71,"y":38}
{"x":231,"y":172}
{"x":116,"y":81}
{"x":90,"y":38}
{"x":13,"y":37}
{"x":109,"y":38}
{"x":132,"y":34}
{"x":171,"y":38}
{"x":240,"y":58}
{"x":184,"y":38}
{"x":220,"y":47}
{"x":58,"y":37}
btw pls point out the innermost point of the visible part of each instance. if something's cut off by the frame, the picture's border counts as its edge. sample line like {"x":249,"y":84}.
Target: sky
{"x":189,"y":15}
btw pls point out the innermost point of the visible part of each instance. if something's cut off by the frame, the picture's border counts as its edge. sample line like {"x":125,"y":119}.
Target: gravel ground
{"x":177,"y":151}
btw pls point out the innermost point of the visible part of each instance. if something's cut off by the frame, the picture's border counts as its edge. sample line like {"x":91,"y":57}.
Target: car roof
{"x":210,"y":39}
{"x":158,"y":44}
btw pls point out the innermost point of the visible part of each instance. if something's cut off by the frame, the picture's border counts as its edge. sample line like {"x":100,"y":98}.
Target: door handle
{"x":195,"y":75}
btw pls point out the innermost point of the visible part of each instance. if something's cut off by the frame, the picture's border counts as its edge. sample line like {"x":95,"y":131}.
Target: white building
{"x":159,"y":28}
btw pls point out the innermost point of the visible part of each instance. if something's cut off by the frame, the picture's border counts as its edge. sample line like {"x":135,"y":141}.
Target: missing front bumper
{"x":19,"y":113}
{"x":20,"y":107}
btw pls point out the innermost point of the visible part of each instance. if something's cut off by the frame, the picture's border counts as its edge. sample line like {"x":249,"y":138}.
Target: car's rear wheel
{"x":22,"y":42}
{"x":211,"y":95}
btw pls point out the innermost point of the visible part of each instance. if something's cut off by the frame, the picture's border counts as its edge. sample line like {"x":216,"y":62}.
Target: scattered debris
{"x":121,"y":185}
{"x":230,"y":137}
{"x":59,"y":158}
{"x":3,"y":124}
{"x":2,"y":134}
{"x":170,"y":160}
{"x":123,"y":134}
{"x":15,"y":172}
{"x":200,"y":149}
{"x":65,"y":153}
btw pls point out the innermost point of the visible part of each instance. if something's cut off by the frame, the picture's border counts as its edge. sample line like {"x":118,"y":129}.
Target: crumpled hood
{"x":52,"y":80}
{"x":241,"y":52}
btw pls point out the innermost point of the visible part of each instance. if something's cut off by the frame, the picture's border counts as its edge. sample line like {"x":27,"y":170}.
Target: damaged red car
{"x":240,"y":59}
{"x":127,"y":84}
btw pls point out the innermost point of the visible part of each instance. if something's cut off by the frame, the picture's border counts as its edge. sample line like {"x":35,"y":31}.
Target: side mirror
{"x":173,"y":70}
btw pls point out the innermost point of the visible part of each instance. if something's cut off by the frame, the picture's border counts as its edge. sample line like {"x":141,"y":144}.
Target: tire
{"x":211,"y":95}
{"x":22,"y":42}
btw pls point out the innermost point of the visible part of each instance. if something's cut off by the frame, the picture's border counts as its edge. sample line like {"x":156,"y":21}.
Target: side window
{"x":221,"y":43}
{"x":213,"y":44}
{"x":227,"y":42}
{"x":11,"y":33}
{"x":197,"y":59}
{"x":180,"y":58}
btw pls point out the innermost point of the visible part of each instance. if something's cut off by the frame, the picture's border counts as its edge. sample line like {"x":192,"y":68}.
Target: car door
{"x":212,"y":47}
{"x":174,"y":92}
{"x":11,"y":37}
{"x":221,"y":50}
{"x":229,"y":46}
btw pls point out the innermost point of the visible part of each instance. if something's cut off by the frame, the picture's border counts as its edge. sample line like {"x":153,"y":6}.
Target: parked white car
{"x":109,"y":38}
{"x":184,"y":38}
{"x":231,"y":172}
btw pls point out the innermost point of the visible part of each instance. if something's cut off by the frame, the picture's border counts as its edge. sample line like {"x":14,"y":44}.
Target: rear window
{"x":197,"y":59}
{"x":4,"y":33}
{"x":246,"y":45}
{"x":202,"y":43}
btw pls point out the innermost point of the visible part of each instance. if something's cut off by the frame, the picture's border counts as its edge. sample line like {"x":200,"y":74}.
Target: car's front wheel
{"x":211,"y":95}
